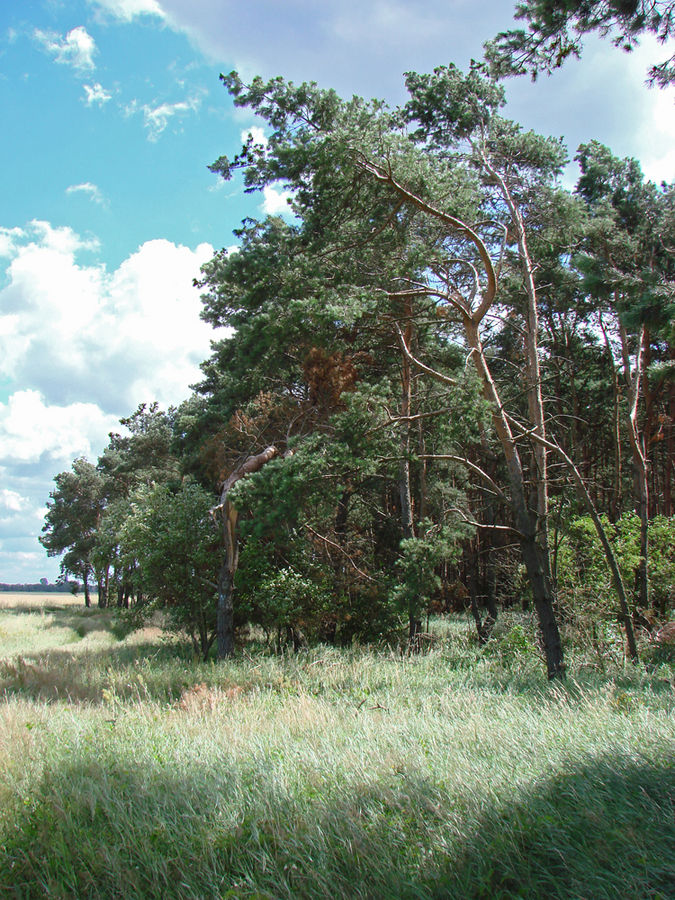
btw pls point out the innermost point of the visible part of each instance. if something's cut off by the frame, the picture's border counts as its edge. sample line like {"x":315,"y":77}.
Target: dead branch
{"x":330,"y":543}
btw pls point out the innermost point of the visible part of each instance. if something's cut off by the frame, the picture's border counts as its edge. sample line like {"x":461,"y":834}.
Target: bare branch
{"x":439,"y":376}
{"x":473,"y":467}
{"x":386,"y":177}
{"x":475,"y":524}
{"x":340,"y":549}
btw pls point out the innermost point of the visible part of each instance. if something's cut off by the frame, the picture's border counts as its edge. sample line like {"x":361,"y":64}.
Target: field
{"x":129,"y":770}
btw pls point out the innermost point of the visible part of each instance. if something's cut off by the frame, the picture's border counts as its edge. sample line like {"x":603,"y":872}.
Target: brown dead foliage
{"x":203,"y":698}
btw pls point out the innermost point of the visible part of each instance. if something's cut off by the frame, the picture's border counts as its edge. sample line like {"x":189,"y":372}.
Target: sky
{"x":112,"y":111}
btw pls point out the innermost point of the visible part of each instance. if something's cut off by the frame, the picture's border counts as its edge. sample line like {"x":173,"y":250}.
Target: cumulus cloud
{"x":12,"y":501}
{"x":257,"y":133}
{"x":76,"y":332}
{"x":346,"y":44}
{"x":654,"y":132}
{"x":76,"y":49}
{"x":8,"y":240}
{"x":365,"y":49}
{"x":31,"y":429}
{"x":37,"y":440}
{"x":90,"y":190}
{"x":86,"y":345}
{"x":96,"y":94}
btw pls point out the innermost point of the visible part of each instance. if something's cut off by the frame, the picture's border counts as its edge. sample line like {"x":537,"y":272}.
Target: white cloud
{"x":8,"y":240}
{"x":347,"y":44}
{"x":158,"y":117}
{"x":126,"y":10}
{"x":86,"y":345}
{"x":657,"y":153}
{"x":96,"y":94}
{"x":12,"y":501}
{"x":79,"y":333}
{"x":654,"y":132}
{"x":30,"y":429}
{"x":91,"y":190}
{"x":276,"y":202}
{"x":61,"y":239}
{"x":364,"y":49}
{"x":76,"y":49}
{"x":257,"y":133}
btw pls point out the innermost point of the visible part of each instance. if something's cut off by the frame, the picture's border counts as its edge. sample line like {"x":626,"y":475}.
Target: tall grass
{"x":128,"y":771}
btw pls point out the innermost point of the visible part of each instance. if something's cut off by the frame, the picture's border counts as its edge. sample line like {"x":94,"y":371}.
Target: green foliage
{"x":512,"y":646}
{"x":174,"y":542}
{"x":584,"y":582}
{"x":73,"y":515}
{"x":555,"y":31}
{"x":416,"y":569}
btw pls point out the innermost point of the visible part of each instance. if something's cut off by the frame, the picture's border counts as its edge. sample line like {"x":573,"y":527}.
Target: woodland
{"x":384,"y":608}
{"x":447,"y":385}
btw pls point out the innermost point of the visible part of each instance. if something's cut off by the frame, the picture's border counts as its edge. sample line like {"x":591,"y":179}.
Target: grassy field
{"x":128,"y":770}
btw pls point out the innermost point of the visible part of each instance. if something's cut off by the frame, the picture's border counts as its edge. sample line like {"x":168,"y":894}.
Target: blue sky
{"x":112,"y":111}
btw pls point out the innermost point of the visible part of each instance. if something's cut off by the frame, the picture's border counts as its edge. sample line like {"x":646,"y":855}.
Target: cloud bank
{"x":87,"y":345}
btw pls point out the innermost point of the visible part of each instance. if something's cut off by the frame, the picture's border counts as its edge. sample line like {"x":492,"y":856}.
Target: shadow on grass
{"x":106,"y":826}
{"x":24,"y":609}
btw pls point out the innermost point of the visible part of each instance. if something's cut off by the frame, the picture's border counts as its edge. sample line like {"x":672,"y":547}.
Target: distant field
{"x":30,"y":600}
{"x":129,"y":770}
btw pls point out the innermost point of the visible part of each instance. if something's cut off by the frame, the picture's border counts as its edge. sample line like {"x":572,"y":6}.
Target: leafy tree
{"x":73,"y":516}
{"x":143,"y":456}
{"x":629,"y":273}
{"x":174,"y":544}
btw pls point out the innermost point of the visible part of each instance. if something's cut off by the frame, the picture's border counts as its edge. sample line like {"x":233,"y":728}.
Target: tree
{"x":555,"y":31}
{"x":142,"y":457}
{"x":73,"y":516}
{"x":628,"y":270}
{"x":174,"y":544}
{"x":356,"y":172}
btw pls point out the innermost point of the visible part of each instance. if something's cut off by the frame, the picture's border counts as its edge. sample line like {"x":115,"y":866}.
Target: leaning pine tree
{"x":357,"y":169}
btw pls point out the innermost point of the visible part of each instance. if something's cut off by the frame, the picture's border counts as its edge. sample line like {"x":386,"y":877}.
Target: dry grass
{"x":40,"y":600}
{"x":128,"y":771}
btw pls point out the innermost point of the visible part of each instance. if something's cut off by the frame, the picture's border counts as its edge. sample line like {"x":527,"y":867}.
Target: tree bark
{"x":633,"y":378}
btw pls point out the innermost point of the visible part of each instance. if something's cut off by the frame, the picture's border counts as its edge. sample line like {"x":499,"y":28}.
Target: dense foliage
{"x":448,"y":383}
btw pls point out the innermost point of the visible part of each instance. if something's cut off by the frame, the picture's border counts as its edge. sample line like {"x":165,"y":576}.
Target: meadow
{"x":127,"y":769}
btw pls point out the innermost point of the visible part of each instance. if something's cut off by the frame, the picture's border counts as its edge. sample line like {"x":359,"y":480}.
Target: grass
{"x":129,"y":770}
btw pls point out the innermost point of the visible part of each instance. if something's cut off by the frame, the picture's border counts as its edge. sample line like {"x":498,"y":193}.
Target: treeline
{"x":448,"y":385}
{"x":61,"y":587}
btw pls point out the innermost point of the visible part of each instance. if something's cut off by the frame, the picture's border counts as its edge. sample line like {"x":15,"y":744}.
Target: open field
{"x":126,"y":769}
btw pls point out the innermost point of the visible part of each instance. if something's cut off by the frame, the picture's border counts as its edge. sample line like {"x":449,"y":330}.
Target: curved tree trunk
{"x":228,"y":513}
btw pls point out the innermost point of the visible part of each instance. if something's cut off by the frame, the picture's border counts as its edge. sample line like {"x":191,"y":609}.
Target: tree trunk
{"x":405,"y":493}
{"x":87,"y":595}
{"x":636,"y":438}
{"x":225,"y":609}
{"x":534,"y":550}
